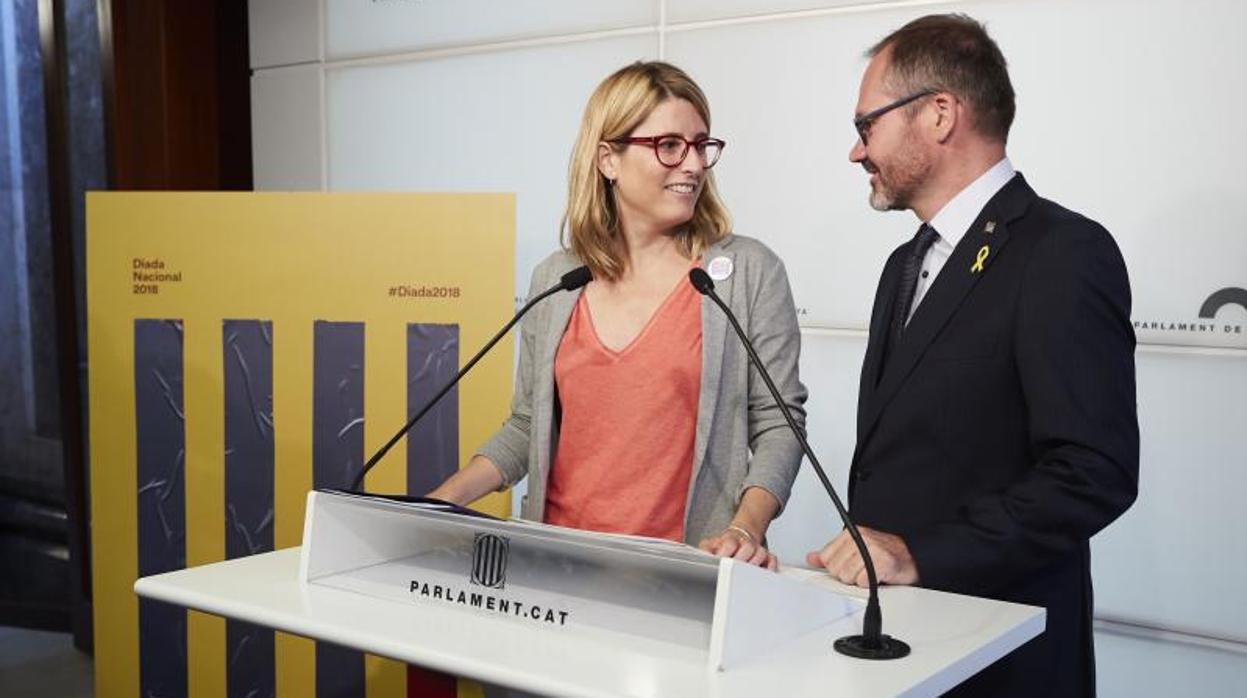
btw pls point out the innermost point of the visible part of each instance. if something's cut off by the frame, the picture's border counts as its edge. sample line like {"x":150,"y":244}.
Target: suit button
{"x":862,"y":475}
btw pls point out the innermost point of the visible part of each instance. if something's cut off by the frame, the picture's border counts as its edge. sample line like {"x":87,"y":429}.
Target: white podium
{"x":562,"y":612}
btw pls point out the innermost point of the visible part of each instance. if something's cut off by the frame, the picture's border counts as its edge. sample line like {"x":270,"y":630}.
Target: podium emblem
{"x":489,"y":560}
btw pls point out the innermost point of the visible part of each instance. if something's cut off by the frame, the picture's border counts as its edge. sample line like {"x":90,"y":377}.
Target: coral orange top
{"x":629,"y":417}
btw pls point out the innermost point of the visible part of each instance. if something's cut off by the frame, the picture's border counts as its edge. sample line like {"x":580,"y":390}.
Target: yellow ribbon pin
{"x":982,"y":257}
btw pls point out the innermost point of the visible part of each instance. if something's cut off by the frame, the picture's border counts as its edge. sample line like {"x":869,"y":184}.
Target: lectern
{"x":564,"y":612}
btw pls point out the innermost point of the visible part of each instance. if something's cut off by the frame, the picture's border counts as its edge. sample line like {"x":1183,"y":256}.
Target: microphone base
{"x":856,"y":646}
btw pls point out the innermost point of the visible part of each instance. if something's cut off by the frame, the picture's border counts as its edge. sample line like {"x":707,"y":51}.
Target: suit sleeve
{"x":1074,"y":355}
{"x":773,"y":330}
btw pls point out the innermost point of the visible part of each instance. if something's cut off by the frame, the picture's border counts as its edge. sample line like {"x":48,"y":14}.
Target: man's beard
{"x":898,"y":182}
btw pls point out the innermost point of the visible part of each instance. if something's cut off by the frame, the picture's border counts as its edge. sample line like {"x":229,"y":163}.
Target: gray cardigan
{"x":735,"y":414}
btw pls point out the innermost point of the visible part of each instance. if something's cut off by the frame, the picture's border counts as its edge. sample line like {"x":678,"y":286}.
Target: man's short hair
{"x":952,"y":53}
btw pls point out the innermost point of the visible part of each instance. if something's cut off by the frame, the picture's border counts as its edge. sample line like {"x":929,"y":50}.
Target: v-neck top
{"x":629,"y":418}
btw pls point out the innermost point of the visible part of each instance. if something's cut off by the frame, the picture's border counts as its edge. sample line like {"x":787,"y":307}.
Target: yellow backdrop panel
{"x":185,"y":264}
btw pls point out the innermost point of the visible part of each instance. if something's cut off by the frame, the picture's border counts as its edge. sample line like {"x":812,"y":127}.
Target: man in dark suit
{"x":996,"y":427}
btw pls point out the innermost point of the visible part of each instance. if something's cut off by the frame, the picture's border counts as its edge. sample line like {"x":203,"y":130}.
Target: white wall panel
{"x":701,"y":10}
{"x":1139,"y":667}
{"x":1127,"y":115}
{"x":286,"y":127}
{"x":830,"y":366}
{"x":1104,"y":126}
{"x":283,"y":32}
{"x":782,"y":94}
{"x":491,"y":122}
{"x":368,"y":27}
{"x":1178,"y":558}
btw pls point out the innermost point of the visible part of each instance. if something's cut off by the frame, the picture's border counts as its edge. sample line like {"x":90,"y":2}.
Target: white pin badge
{"x":719,"y":268}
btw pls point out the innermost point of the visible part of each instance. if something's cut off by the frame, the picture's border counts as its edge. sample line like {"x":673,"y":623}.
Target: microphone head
{"x":576,"y":278}
{"x":700,"y":280}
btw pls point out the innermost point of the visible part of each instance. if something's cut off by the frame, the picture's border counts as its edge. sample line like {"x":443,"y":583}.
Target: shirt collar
{"x":959,"y":213}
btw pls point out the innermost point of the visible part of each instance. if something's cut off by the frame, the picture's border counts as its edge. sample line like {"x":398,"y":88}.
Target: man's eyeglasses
{"x":865,"y":121}
{"x":671,"y":150}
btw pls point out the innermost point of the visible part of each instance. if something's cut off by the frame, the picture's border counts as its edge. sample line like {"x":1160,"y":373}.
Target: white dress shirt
{"x":952,"y":222}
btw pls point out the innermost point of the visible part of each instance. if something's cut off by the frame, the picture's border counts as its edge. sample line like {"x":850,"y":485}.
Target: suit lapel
{"x":971,"y":260}
{"x":877,"y":338}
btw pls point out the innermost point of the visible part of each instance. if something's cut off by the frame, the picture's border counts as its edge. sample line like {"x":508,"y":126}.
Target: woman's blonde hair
{"x":620,"y":103}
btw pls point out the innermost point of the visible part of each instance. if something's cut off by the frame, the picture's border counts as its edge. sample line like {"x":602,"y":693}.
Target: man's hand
{"x":893,"y":563}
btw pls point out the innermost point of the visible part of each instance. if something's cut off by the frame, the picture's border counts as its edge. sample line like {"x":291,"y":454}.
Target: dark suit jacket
{"x":1000,"y":433}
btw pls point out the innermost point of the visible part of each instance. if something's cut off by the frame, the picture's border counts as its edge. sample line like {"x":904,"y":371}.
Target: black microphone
{"x":570,"y":281}
{"x":872,"y":643}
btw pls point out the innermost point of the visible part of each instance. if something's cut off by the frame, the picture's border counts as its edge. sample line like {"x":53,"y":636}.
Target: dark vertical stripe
{"x":160,"y":433}
{"x":433,"y":444}
{"x":248,"y":356}
{"x":337,"y":455}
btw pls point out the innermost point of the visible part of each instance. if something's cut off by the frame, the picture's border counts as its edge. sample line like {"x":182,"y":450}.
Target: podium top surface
{"x":952,"y":637}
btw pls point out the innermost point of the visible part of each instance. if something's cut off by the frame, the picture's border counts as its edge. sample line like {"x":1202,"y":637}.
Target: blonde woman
{"x":635,"y":410}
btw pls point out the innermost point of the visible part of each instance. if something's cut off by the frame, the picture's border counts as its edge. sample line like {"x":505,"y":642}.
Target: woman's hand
{"x":739,"y":543}
{"x":743,"y":538}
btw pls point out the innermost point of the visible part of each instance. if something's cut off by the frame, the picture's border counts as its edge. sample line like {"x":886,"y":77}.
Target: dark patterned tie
{"x":923,"y":240}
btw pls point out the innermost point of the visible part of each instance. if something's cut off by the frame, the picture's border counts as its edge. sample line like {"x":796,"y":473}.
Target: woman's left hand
{"x":734,"y":542}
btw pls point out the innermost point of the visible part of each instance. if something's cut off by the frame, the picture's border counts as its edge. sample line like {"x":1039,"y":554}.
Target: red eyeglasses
{"x":671,"y":150}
